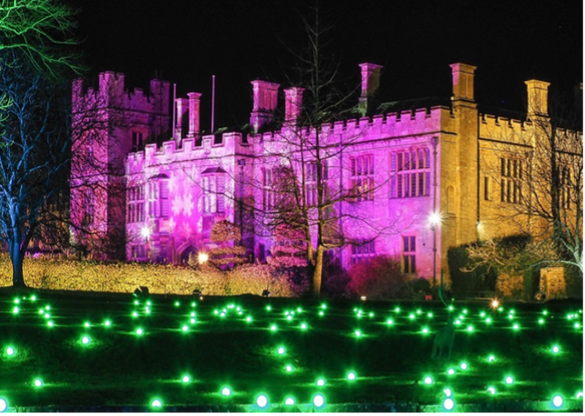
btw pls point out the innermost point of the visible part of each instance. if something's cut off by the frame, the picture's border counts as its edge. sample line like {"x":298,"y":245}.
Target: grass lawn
{"x":190,"y":349}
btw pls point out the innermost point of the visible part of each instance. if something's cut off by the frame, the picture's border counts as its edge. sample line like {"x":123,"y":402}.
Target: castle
{"x":419,"y":181}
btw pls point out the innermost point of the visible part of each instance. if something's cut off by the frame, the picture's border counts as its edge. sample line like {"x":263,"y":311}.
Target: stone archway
{"x":185,"y":252}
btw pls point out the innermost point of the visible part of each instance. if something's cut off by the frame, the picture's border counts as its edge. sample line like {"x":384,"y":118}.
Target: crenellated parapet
{"x":503,"y":129}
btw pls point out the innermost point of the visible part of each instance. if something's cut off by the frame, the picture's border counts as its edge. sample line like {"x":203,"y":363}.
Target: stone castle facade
{"x":146,"y":192}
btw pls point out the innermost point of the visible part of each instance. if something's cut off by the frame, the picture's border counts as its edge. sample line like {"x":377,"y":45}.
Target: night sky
{"x":187,"y":41}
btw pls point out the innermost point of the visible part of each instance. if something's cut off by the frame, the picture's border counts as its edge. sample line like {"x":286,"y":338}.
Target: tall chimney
{"x":193,"y":113}
{"x":370,"y":83}
{"x":537,"y":97}
{"x":293,"y":105}
{"x":463,"y":75}
{"x":181,"y":109}
{"x":265,"y":100}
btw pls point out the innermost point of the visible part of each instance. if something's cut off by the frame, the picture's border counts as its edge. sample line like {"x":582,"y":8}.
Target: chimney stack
{"x":193,"y":113}
{"x":293,"y":104}
{"x":463,"y":75}
{"x":182,"y":108}
{"x":370,"y":83}
{"x":265,"y":100}
{"x":537,"y":97}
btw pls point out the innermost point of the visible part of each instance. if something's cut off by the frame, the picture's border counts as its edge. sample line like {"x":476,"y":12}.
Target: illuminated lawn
{"x":59,"y":350}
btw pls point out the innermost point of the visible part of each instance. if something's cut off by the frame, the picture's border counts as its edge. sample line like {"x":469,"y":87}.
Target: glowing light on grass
{"x":321,"y":313}
{"x":185,"y":328}
{"x":136,"y":302}
{"x":139,"y":332}
{"x":500,"y":309}
{"x":428,"y":380}
{"x":47,"y":315}
{"x":41,"y":311}
{"x":262,"y":401}
{"x":148,"y":303}
{"x":17,"y":301}
{"x":38,"y":382}
{"x":429,"y":315}
{"x":289,"y":318}
{"x":495,"y":303}
{"x":482,"y":314}
{"x":192,"y":321}
{"x":318,"y":400}
{"x":33,"y":298}
{"x":488,"y":320}
{"x":458,"y":322}
{"x":509,"y":380}
{"x":289,"y":401}
{"x":390,"y":322}
{"x":50,"y":324}
{"x":491,"y":390}
{"x":450,"y":371}
{"x":186,"y":379}
{"x":371,"y":314}
{"x":515,"y":327}
{"x":134,"y":314}
{"x":226,"y":391}
{"x":555,"y":349}
{"x":156,"y":403}
{"x":351,"y":376}
{"x":289,"y":368}
{"x":577,"y":325}
{"x":557,"y":401}
{"x":358,"y":333}
{"x":177,"y":304}
{"x":470,"y":328}
{"x":411,"y":316}
{"x":451,"y":307}
{"x":425,"y":330}
{"x":491,"y":359}
{"x":85,"y":340}
{"x":269,"y":308}
{"x":447,"y":392}
{"x":304,"y":326}
{"x":321,"y":382}
{"x":540,"y":321}
{"x":108,"y":323}
{"x":579,"y":395}
{"x":397,"y":309}
{"x":48,"y":307}
{"x":463,"y":366}
{"x":273,"y":328}
{"x":15,"y":310}
{"x":10,"y":351}
{"x":248,"y":319}
{"x":3,"y":404}
{"x":86,"y":324}
{"x":448,"y":404}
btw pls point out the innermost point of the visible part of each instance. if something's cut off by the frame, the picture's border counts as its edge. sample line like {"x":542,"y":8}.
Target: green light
{"x":50,"y":324}
{"x":464,"y":311}
{"x":85,"y":340}
{"x":351,"y":376}
{"x":500,"y":309}
{"x":192,"y":320}
{"x":555,"y":349}
{"x":289,"y":368}
{"x":371,"y":315}
{"x":186,"y":379}
{"x":458,"y":322}
{"x":557,"y":401}
{"x":450,"y":371}
{"x":323,"y":306}
{"x":411,"y":316}
{"x":192,"y":314}
{"x":321,"y":313}
{"x":193,"y":305}
{"x":15,"y":310}
{"x":148,"y":303}
{"x":17,"y":301}
{"x":450,"y":307}
{"x":226,"y":391}
{"x":509,"y":380}
{"x":429,"y":315}
{"x":48,"y":307}
{"x":482,"y":314}
{"x":289,"y":401}
{"x":448,"y":404}
{"x":488,"y":320}
{"x":280,"y":350}
{"x":447,"y":392}
{"x":545,"y":312}
{"x":38,"y":382}
{"x":516,"y":327}
{"x":87,"y":325}
{"x":299,"y":309}
{"x":33,"y":298}
{"x":318,"y":400}
{"x":262,"y":401}
{"x":289,"y":318}
{"x":541,"y":321}
{"x":428,"y":380}
{"x":273,"y":328}
{"x":41,"y":311}
{"x":397,"y":309}
{"x":463,"y":366}
{"x":390,"y":322}
{"x":579,"y":395}
{"x":491,"y":358}
{"x":177,"y":304}
{"x":139,"y":332}
{"x":491,"y":390}
{"x":418,"y":311}
{"x":136,"y":302}
{"x":577,"y":325}
{"x":156,"y":403}
{"x":185,"y":328}
{"x":248,"y":319}
{"x":321,"y":382}
{"x":3,"y":404}
{"x":47,"y":315}
{"x":358,"y":333}
{"x":269,"y":308}
{"x":303,"y":326}
{"x":470,"y":328}
{"x":135,"y":314}
{"x":425,"y":330}
{"x":108,"y":323}
{"x":10,"y":351}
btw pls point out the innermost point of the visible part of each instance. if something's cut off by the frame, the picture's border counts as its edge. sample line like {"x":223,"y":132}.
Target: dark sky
{"x":189,"y":40}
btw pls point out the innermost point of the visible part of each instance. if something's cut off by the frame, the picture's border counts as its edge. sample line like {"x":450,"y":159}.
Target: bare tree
{"x":539,"y":170}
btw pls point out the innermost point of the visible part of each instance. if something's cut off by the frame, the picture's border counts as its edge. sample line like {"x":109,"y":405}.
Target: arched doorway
{"x":189,"y":251}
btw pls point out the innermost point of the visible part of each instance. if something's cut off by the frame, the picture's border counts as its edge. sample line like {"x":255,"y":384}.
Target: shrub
{"x":335,"y":277}
{"x":463,"y":282}
{"x":379,"y":278}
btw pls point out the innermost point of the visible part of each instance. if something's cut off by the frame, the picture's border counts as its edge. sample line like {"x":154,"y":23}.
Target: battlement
{"x":230,"y":144}
{"x":502,"y":128}
{"x":112,"y":93}
{"x":422,"y":120}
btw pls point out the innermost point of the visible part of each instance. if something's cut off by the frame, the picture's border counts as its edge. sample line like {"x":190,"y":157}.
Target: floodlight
{"x":363,"y":298}
{"x":192,"y":320}
{"x":248,"y":319}
{"x":3,"y":404}
{"x":87,"y":325}
{"x":202,"y":257}
{"x":33,"y":298}
{"x":495,"y":303}
{"x":289,"y":401}
{"x":557,"y":401}
{"x":390,"y":322}
{"x":318,"y":400}
{"x":541,"y":321}
{"x":177,"y":304}
{"x":425,"y":330}
{"x":516,"y":327}
{"x":470,"y":328}
{"x":321,"y":313}
{"x":435,"y":219}
{"x":17,"y":301}
{"x":145,"y":232}
{"x":226,"y":391}
{"x":262,"y":401}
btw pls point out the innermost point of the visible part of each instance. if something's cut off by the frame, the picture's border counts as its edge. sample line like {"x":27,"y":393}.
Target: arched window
{"x":158,"y":196}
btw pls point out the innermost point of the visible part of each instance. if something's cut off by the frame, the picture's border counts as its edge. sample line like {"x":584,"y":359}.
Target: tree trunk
{"x":17,"y":273}
{"x":318,"y":271}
